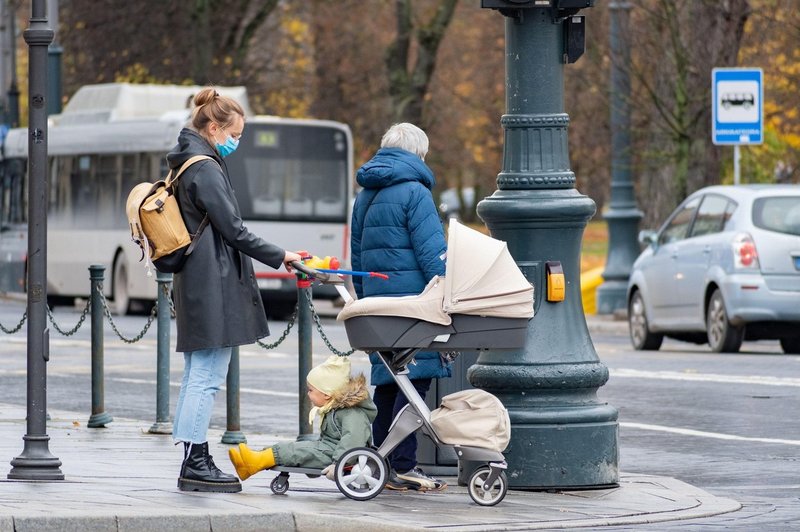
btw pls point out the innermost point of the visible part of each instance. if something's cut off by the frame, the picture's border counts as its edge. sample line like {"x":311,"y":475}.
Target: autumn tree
{"x":410,"y":77}
{"x":772,"y":42}
{"x":676,"y":44}
{"x":198,"y":42}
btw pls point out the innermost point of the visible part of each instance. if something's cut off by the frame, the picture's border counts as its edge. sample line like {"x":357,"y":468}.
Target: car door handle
{"x":674,"y":255}
{"x":707,"y":250}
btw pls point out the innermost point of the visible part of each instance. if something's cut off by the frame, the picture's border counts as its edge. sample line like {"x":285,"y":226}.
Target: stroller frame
{"x":416,"y":416}
{"x":361,"y":473}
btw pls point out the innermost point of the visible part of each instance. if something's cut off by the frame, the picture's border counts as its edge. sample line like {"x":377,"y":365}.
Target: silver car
{"x":725,"y":267}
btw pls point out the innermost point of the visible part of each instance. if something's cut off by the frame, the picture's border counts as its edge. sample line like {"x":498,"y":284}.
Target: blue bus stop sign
{"x":737,"y":110}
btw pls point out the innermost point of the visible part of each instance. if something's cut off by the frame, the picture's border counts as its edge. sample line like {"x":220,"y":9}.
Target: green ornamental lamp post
{"x":561,"y":435}
{"x":622,"y":215}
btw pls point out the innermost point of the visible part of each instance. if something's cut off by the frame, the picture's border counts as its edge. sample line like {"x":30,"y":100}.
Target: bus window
{"x":107,"y":183}
{"x":61,"y":192}
{"x":13,"y":195}
{"x":291,"y":172}
{"x":132,"y":175}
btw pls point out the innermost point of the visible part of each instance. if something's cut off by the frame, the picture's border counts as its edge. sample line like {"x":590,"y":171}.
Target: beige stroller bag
{"x":474,"y":418}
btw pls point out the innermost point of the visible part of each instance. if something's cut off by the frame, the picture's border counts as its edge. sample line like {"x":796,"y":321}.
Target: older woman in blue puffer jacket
{"x":396,"y":230}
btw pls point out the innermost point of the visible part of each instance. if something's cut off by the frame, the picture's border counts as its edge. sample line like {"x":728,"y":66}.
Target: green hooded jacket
{"x":347,"y":425}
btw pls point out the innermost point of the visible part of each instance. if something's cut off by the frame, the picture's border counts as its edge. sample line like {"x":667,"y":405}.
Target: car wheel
{"x":122,"y":301}
{"x":641,"y":337}
{"x":723,"y":337}
{"x":791,"y":346}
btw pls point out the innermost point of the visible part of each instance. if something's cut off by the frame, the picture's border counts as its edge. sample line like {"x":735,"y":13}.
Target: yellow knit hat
{"x":330,"y":376}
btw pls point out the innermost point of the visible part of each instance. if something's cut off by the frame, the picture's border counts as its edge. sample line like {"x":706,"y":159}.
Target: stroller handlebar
{"x":316,"y":274}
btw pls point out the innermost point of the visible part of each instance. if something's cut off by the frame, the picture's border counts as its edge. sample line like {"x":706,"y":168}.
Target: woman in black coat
{"x":217,"y":300}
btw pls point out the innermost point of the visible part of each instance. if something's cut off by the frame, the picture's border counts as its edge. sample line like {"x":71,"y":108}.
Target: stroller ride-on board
{"x":483,"y":302}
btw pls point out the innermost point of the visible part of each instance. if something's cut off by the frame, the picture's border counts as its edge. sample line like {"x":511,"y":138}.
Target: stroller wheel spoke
{"x":361,"y":474}
{"x":491,"y":496}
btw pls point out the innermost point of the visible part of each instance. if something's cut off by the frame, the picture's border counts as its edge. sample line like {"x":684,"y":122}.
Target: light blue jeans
{"x":204,"y":373}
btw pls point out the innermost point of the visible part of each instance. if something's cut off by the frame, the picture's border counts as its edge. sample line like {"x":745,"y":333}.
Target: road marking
{"x":706,"y":377}
{"x":703,"y":434}
{"x":178,"y":385}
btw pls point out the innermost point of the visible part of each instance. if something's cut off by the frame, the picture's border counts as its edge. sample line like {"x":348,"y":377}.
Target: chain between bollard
{"x":284,"y":335}
{"x":165,"y":289}
{"x":77,"y":326}
{"x":18,"y":327}
{"x":318,"y":325}
{"x":107,"y":312}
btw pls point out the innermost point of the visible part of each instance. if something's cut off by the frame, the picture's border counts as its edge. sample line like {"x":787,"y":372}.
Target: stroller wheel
{"x":361,"y":473}
{"x":279,"y":484}
{"x":479,"y":492}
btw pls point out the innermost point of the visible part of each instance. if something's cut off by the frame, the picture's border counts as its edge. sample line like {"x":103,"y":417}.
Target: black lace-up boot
{"x":199,"y":473}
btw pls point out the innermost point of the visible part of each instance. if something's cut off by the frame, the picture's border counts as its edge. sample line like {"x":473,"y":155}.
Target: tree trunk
{"x":408,"y":86}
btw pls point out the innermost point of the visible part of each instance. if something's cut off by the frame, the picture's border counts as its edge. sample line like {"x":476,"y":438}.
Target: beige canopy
{"x":481,"y":278}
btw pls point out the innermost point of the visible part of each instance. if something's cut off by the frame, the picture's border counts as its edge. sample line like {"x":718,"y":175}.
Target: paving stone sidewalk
{"x":122,"y":478}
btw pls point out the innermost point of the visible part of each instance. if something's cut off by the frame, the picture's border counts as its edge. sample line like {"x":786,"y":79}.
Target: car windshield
{"x":778,"y":213}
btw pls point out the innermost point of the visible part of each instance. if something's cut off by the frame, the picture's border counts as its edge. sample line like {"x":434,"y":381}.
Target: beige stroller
{"x":483,"y":302}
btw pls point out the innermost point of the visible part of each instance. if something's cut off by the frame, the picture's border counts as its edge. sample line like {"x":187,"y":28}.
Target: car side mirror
{"x":648,"y":237}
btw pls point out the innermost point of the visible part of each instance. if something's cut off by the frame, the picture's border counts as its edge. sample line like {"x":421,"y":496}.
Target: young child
{"x":347,"y":414}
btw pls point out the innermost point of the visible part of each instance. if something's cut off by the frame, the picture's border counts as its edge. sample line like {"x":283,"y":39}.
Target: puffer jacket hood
{"x":355,"y":393}
{"x":394,"y":165}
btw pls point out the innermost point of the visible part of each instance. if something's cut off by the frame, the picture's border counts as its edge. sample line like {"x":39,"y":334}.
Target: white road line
{"x":706,"y":377}
{"x":703,"y":434}
{"x":178,"y":385}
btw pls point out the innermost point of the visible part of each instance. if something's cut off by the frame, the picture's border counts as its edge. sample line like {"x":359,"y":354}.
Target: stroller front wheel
{"x":361,"y":473}
{"x":487,"y":495}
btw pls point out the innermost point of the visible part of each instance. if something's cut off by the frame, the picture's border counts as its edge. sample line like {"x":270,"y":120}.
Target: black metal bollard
{"x":233,"y":432}
{"x":304,"y":347}
{"x":99,"y":417}
{"x":162,"y":425}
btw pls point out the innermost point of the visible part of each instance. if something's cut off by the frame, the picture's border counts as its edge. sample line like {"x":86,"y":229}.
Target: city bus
{"x":292,"y":179}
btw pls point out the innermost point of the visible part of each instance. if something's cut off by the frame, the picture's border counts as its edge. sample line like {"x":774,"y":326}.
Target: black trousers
{"x":389,"y":400}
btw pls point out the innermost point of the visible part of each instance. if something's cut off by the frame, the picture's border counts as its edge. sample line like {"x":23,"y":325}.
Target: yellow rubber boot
{"x":249,"y":462}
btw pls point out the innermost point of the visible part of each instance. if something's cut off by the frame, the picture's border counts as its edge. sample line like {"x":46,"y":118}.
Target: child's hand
{"x":328,"y":471}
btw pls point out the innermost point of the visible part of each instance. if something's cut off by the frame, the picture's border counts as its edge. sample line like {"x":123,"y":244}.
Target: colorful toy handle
{"x":351,"y":272}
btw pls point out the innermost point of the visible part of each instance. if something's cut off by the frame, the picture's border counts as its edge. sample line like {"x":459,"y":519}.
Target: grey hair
{"x":408,"y":137}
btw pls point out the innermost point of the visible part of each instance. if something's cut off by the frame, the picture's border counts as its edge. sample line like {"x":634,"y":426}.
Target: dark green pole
{"x":162,"y":425}
{"x":622,"y":215}
{"x":36,"y":462}
{"x":304,"y":350}
{"x":561,"y":435}
{"x":233,"y":433}
{"x":99,"y":417}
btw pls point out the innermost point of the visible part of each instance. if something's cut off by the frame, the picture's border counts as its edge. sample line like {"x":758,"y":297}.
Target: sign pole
{"x":737,"y":154}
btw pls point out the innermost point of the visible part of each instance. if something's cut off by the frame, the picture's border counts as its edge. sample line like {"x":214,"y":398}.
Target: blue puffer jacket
{"x":396,"y":230}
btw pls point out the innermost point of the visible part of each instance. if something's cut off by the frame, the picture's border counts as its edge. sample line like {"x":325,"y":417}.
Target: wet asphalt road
{"x":726,"y":423}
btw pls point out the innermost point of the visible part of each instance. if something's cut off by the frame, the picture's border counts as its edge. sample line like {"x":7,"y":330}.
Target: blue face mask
{"x":229,"y":147}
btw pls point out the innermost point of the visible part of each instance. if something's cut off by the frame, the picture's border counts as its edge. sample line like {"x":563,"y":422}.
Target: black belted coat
{"x":217,"y":300}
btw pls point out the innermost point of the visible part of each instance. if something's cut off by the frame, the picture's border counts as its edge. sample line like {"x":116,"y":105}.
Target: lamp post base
{"x":234,"y":437}
{"x":99,"y":420}
{"x":36,"y":462}
{"x":612,"y":296}
{"x":161,"y":427}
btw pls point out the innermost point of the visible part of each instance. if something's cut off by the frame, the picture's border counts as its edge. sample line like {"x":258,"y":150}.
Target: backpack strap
{"x":172,"y":180}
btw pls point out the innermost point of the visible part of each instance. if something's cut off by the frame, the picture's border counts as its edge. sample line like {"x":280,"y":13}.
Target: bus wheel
{"x":122,"y":301}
